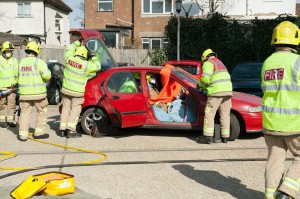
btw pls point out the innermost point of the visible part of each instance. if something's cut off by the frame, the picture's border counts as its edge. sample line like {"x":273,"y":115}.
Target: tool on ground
{"x":48,"y":184}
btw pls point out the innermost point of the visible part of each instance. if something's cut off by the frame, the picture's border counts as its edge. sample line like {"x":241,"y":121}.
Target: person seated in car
{"x":170,"y":89}
{"x":129,"y":86}
{"x":159,"y":108}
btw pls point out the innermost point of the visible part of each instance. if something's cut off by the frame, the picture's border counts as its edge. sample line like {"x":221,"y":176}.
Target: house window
{"x":105,"y":5}
{"x":111,"y":39}
{"x":154,"y":43}
{"x":157,"y":6}
{"x":24,"y":10}
{"x":58,"y":25}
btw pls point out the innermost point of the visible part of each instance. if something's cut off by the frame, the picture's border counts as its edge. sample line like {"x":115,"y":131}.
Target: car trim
{"x":174,"y":126}
{"x":133,"y":112}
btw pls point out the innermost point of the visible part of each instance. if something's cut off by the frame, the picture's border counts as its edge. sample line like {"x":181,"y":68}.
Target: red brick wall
{"x":144,"y":25}
{"x":298,"y":9}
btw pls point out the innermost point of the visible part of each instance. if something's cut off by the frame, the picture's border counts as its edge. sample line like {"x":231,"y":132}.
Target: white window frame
{"x":23,"y":5}
{"x":148,"y":40}
{"x":60,"y":22}
{"x":164,"y":7}
{"x":145,"y":41}
{"x":156,"y":39}
{"x":106,"y":2}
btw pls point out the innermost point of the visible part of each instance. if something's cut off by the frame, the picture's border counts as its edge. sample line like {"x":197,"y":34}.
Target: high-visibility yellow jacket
{"x":33,"y":76}
{"x":215,"y":77}
{"x":128,"y":87}
{"x":77,"y":71}
{"x":8,"y":72}
{"x":281,"y":86}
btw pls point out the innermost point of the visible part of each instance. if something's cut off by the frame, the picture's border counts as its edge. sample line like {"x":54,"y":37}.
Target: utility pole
{"x":178,"y":9}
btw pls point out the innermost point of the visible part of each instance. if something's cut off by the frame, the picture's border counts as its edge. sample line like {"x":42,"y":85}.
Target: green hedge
{"x":233,"y":41}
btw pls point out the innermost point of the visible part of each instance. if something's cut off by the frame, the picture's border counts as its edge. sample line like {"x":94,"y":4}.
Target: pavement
{"x":143,"y":164}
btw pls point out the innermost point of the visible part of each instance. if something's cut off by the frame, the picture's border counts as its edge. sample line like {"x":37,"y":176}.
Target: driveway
{"x":142,"y":164}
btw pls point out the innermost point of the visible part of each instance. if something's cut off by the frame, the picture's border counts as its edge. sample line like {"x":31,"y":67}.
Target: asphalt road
{"x":142,"y":164}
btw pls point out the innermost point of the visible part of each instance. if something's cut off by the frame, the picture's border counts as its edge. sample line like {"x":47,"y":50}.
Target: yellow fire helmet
{"x":286,"y":33}
{"x":148,"y":75}
{"x":33,"y":47}
{"x":206,"y":53}
{"x":136,"y":75}
{"x":7,"y":46}
{"x":81,"y":51}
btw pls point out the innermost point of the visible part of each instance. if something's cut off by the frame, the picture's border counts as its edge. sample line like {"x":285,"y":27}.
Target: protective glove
{"x":199,"y":89}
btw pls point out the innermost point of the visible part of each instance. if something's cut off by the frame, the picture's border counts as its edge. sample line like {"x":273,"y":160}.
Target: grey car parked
{"x":246,"y":78}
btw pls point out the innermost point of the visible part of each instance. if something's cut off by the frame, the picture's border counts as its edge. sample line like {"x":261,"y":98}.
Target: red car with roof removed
{"x":115,"y":110}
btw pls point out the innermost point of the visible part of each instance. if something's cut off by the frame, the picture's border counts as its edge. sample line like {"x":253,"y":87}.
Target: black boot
{"x":204,"y":140}
{"x":3,"y":125}
{"x":62,"y":133}
{"x":283,"y":195}
{"x":43,"y":136}
{"x":73,"y":134}
{"x":224,"y":140}
{"x":11,"y":124}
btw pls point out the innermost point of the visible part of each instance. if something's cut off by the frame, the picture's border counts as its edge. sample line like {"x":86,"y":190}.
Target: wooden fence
{"x":138,"y":57}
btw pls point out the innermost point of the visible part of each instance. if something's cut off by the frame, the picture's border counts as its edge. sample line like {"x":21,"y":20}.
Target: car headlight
{"x":255,"y":109}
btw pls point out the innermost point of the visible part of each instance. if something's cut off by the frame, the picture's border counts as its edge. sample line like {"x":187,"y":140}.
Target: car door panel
{"x":131,"y":106}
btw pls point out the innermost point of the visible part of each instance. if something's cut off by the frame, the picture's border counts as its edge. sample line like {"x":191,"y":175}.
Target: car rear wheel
{"x":55,"y":98}
{"x":235,"y":127}
{"x":90,"y":115}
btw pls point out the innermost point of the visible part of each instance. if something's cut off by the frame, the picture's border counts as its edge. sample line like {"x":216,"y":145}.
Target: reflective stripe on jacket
{"x":8,"y":72}
{"x":77,"y":72}
{"x":281,"y":87}
{"x":215,"y":77}
{"x":33,"y":75}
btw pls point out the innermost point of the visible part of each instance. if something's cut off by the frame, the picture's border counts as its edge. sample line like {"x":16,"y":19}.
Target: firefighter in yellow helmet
{"x":33,"y":76}
{"x":80,"y":66}
{"x":216,"y":80}
{"x":8,"y":83}
{"x":281,"y":117}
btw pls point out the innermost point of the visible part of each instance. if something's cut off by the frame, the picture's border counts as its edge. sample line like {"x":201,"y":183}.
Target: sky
{"x":76,"y":14}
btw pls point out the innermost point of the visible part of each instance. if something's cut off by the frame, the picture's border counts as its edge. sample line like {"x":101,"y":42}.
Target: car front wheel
{"x":95,"y":114}
{"x":235,"y":127}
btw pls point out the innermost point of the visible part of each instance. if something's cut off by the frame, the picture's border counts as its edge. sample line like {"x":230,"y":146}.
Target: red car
{"x":191,"y":66}
{"x":115,"y":110}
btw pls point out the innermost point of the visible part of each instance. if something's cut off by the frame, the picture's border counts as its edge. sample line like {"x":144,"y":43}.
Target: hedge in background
{"x":233,"y":41}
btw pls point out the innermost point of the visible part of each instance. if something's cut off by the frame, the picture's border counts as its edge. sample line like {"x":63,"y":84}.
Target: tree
{"x":80,"y":15}
{"x":213,"y":5}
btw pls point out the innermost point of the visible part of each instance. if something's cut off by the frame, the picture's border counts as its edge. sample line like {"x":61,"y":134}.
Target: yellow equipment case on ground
{"x":51,"y":183}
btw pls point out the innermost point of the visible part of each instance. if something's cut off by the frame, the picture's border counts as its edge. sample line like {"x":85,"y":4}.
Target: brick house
{"x":141,"y":23}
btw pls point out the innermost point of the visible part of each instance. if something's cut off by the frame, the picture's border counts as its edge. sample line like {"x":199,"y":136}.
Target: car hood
{"x":251,"y":100}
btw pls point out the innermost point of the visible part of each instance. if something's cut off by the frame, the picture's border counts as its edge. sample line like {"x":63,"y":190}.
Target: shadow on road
{"x":53,"y":123}
{"x":215,"y":180}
